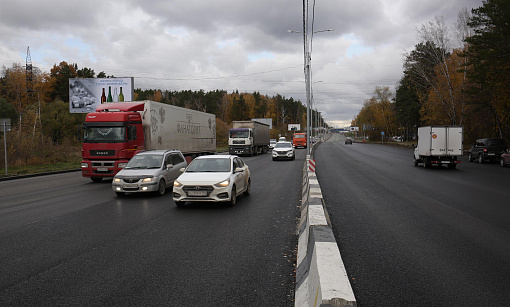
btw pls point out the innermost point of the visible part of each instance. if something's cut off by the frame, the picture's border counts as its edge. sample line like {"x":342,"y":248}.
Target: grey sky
{"x":228,"y":45}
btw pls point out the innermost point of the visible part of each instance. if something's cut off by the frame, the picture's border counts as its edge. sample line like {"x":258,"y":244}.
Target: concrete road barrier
{"x":321,"y":278}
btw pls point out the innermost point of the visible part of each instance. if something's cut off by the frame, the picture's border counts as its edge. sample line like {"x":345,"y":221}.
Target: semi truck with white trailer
{"x":439,"y":145}
{"x":115,"y":132}
{"x":248,"y":138}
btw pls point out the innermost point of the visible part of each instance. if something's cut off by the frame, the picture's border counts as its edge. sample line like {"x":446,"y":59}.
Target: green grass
{"x":61,"y":166}
{"x":34,"y":169}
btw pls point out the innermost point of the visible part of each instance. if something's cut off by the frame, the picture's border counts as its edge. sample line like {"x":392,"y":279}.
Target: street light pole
{"x":307,"y":64}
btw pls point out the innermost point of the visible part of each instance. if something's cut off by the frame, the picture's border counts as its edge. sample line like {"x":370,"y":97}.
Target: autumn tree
{"x":378,"y":114}
{"x":58,"y":123}
{"x":407,"y":106}
{"x":59,"y":79}
{"x":7,"y":110}
{"x":488,"y":65}
{"x":240,"y":109}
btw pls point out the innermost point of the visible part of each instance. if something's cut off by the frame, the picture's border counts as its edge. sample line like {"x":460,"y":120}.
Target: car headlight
{"x":116,"y":179}
{"x":223,"y":184}
{"x":177,"y":184}
{"x":148,"y":179}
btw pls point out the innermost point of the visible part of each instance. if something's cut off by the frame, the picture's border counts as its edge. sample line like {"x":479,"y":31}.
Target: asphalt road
{"x":411,"y":236}
{"x":67,"y":241}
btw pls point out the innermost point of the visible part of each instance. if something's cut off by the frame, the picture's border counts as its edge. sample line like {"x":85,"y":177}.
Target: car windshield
{"x":282,"y":145}
{"x":94,"y":134}
{"x":209,"y":165}
{"x":145,"y":161}
{"x":299,"y":136}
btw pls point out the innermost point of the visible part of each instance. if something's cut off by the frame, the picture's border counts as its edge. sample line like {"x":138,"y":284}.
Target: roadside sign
{"x":5,"y":124}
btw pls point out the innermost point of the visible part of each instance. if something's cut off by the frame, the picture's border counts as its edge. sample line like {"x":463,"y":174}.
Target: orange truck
{"x":299,"y":140}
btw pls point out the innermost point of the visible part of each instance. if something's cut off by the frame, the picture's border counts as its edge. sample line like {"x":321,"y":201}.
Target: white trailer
{"x":439,"y":145}
{"x":170,"y":127}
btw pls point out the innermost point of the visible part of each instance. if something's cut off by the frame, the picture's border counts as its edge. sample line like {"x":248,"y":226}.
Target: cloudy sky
{"x":227,"y":44}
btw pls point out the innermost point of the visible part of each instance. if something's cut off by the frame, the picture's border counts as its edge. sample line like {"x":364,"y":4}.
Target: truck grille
{"x":102,"y":153}
{"x":238,"y":142}
{"x":102,"y":163}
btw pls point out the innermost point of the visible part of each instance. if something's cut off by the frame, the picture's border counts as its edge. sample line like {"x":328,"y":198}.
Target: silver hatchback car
{"x":149,"y":171}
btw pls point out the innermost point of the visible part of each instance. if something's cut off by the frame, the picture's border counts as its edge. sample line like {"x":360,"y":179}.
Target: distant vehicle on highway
{"x":282,"y":139}
{"x":272,"y":142}
{"x":487,"y":149}
{"x":214,"y":178}
{"x":299,"y":140}
{"x":149,"y":171}
{"x":348,"y":141}
{"x":248,"y":138}
{"x":439,"y":145}
{"x":283,"y":150}
{"x":505,"y":158}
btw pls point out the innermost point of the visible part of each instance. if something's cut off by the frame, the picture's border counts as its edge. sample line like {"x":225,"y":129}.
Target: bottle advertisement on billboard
{"x":85,"y":94}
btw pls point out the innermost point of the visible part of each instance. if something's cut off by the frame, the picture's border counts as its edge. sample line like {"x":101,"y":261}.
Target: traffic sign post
{"x":382,"y":136}
{"x":5,"y":125}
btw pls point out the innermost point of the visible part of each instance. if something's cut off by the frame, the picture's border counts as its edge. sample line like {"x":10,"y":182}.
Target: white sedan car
{"x":214,"y":178}
{"x":283,"y":150}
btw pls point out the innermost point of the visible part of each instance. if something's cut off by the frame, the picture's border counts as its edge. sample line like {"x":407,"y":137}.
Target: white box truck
{"x":439,"y":145}
{"x":248,"y":138}
{"x":115,"y":132}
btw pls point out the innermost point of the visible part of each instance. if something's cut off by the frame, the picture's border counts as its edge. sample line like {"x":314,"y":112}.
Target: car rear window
{"x":497,"y":142}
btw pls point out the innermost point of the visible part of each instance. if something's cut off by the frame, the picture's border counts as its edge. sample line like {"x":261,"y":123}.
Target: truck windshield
{"x":95,"y":134}
{"x":239,"y":134}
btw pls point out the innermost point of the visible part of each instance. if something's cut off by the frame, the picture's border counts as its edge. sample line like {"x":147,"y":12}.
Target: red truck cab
{"x":299,"y":140}
{"x":112,"y":135}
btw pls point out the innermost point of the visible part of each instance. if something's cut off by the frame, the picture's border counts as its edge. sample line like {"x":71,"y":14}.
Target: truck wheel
{"x":415,"y":162}
{"x":480,"y":158}
{"x":96,"y":179}
{"x":162,"y":187}
{"x":426,"y":163}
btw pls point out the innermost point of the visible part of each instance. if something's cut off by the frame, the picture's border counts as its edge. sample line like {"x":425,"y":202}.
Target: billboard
{"x":85,"y":94}
{"x":354,"y":129}
{"x":294,"y":127}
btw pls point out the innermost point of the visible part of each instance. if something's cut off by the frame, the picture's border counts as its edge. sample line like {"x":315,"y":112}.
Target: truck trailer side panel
{"x":170,"y":127}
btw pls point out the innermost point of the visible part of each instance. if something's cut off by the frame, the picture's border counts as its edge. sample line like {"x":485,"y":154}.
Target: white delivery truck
{"x":115,"y":132}
{"x":438,"y":145}
{"x":248,"y":138}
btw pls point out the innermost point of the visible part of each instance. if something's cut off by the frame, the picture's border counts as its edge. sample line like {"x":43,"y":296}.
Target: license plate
{"x":129,"y":186}
{"x":197,"y":193}
{"x":102,"y":169}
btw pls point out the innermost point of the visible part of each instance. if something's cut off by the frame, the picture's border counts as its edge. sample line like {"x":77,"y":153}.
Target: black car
{"x":487,"y":149}
{"x":348,"y":141}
